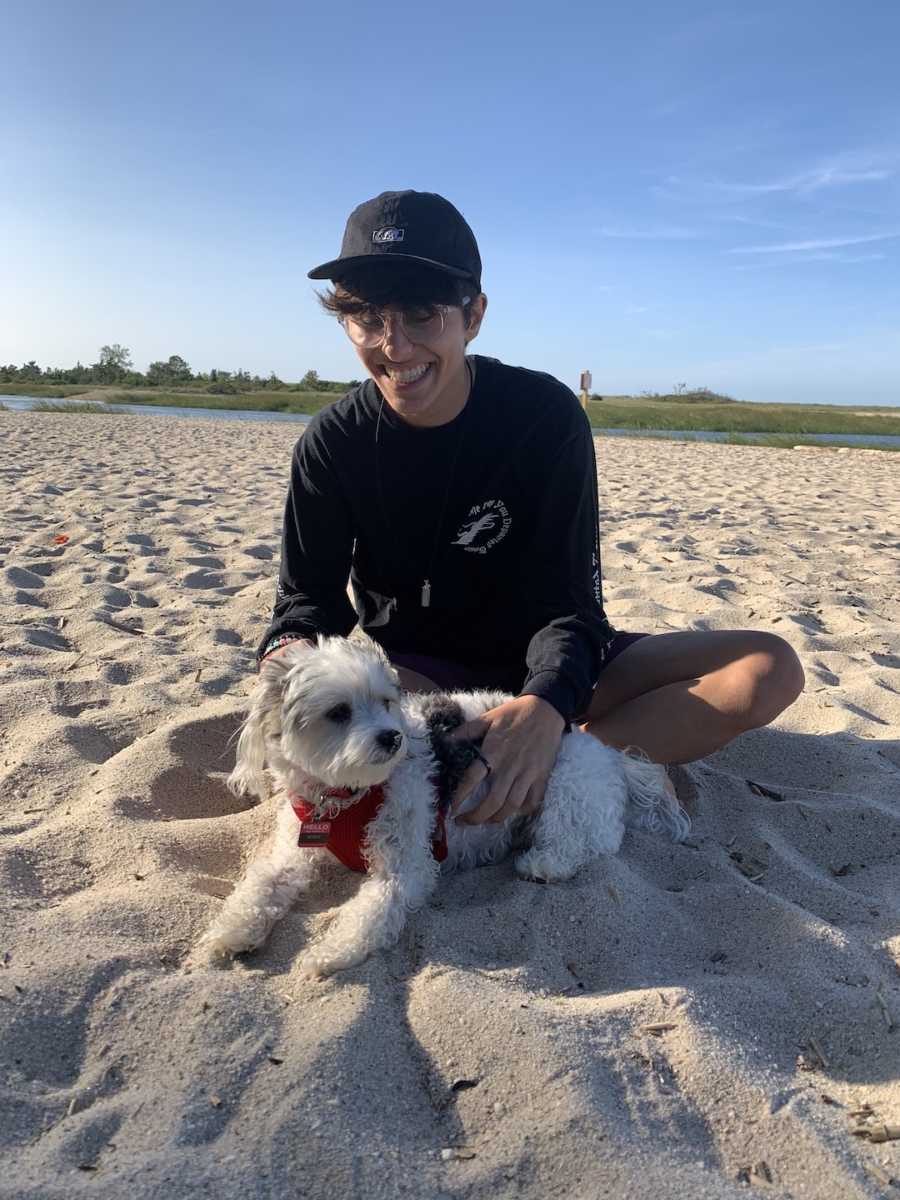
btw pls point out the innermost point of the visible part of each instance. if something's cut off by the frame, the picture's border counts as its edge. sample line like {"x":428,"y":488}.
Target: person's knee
{"x":413,"y":681}
{"x":775,"y":678}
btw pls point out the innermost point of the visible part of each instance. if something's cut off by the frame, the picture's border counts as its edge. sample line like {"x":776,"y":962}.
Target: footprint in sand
{"x":202,"y":579}
{"x":143,"y":544}
{"x":73,"y":700}
{"x":96,"y":743}
{"x":182,"y":770}
{"x":47,"y":639}
{"x":19,"y":577}
{"x":206,"y":560}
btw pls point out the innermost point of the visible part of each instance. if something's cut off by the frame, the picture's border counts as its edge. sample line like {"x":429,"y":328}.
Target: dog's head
{"x":330,"y":710}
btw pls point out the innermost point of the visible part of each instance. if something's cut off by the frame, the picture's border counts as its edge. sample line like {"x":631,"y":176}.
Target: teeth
{"x":408,"y":376}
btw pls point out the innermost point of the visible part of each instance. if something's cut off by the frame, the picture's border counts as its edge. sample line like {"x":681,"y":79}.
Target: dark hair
{"x":409,"y":285}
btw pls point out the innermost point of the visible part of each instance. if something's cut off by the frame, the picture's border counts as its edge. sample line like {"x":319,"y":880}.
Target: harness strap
{"x":345,"y":835}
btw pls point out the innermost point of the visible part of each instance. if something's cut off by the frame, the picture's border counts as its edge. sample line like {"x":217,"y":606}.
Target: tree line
{"x":114,"y":366}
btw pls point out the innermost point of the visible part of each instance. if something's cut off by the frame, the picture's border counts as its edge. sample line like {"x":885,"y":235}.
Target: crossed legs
{"x":681,"y":696}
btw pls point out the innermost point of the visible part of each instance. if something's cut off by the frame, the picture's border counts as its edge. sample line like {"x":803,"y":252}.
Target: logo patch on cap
{"x":389,"y":234}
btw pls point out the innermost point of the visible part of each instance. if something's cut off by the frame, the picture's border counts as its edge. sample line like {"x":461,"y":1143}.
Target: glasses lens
{"x":422,"y":323}
{"x":367,"y":329}
{"x":364,"y":329}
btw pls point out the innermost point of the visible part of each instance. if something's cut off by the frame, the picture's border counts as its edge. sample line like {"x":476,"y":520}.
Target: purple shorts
{"x":458,"y":677}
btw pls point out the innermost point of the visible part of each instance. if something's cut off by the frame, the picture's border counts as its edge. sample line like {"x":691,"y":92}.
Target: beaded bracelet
{"x":283,"y":639}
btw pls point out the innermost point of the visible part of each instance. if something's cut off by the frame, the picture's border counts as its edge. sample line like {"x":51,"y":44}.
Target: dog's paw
{"x":541,"y":866}
{"x":322,"y":961}
{"x":209,"y":954}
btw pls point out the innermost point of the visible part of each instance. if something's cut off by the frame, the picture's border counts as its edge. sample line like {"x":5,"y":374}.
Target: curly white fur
{"x":331,"y":715}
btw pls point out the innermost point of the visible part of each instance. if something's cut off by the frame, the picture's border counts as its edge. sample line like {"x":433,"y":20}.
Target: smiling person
{"x":459,"y":495}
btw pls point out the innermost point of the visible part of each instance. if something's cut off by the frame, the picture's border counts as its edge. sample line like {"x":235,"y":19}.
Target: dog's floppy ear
{"x":263,"y":720}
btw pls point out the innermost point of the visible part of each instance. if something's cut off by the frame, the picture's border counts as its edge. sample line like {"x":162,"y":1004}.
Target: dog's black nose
{"x":389,"y":739}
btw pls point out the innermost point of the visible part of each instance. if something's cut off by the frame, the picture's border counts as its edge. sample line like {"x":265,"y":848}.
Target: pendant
{"x":426,"y":594}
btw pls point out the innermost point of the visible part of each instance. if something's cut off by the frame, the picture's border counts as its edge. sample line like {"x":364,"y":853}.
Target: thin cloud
{"x":823,"y":256}
{"x":662,"y":233}
{"x":845,"y":258}
{"x":808,"y":181}
{"x":757,"y":222}
{"x":828,"y":175}
{"x":816,"y":244}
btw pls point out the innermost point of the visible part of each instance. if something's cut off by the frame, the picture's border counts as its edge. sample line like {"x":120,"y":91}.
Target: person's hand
{"x":521,"y":741}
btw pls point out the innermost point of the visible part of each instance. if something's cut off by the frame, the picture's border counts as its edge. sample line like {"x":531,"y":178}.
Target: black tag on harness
{"x":314,"y":833}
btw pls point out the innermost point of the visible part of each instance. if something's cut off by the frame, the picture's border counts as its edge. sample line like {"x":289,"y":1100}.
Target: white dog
{"x":355,"y":759}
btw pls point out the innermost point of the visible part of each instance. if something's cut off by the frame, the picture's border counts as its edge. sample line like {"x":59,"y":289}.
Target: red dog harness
{"x":345,"y":834}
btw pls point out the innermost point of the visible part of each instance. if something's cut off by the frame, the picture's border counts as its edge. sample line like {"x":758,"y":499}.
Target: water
{"x":24,"y":403}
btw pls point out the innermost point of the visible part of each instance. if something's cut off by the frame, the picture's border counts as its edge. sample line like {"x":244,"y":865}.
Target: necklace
{"x":425,"y":595}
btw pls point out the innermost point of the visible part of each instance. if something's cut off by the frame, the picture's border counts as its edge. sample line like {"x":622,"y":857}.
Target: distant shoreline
{"x":615,"y":412}
{"x":173,"y":405}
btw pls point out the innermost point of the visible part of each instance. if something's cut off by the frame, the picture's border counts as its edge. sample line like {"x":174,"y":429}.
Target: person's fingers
{"x":491,"y":804}
{"x":474,"y":774}
{"x":518,"y":800}
{"x":472,"y":731}
{"x":509,"y":809}
{"x":534,"y":797}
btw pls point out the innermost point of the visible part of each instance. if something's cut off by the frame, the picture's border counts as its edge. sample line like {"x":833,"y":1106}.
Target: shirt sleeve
{"x":316,"y":550}
{"x":565,"y":655}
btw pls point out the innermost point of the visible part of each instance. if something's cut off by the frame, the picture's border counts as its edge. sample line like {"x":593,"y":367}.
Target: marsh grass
{"x":617,"y":413}
{"x":785,"y":441}
{"x":778,"y":441}
{"x":47,"y":406}
{"x":651,"y":412}
{"x":314,"y":401}
{"x":55,"y":391}
{"x":280,"y":402}
{"x":742,"y":417}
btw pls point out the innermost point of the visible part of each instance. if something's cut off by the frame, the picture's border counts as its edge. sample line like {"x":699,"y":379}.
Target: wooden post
{"x":585,"y":388}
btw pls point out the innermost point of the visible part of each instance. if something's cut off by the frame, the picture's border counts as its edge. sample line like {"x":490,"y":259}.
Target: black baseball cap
{"x":407,"y":226}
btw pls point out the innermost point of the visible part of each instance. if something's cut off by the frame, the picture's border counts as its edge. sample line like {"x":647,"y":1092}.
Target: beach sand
{"x":679,"y":1021}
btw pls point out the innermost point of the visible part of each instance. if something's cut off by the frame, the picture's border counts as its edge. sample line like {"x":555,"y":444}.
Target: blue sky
{"x":702,"y":192}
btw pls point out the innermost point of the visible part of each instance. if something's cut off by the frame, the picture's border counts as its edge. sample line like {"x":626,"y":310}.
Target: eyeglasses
{"x":423,"y":323}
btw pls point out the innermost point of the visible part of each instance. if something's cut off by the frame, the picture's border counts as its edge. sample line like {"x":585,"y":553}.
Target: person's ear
{"x":477,"y":309}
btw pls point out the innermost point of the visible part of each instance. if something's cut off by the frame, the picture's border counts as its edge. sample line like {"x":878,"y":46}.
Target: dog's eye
{"x":340,"y":714}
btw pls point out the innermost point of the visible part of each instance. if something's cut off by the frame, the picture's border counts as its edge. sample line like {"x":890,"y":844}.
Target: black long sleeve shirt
{"x":496,"y":510}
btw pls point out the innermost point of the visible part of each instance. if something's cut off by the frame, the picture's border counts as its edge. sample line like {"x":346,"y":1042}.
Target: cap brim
{"x":340,"y":266}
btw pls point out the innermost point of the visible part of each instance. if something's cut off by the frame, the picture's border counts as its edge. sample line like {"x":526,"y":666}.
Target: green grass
{"x":785,"y":441}
{"x":47,"y":406}
{"x":315,"y":400}
{"x":55,"y":391}
{"x":282,"y":402}
{"x":779,"y":441}
{"x":616,"y":413}
{"x":740,"y":418}
{"x":649,"y":412}
{"x":700,"y":396}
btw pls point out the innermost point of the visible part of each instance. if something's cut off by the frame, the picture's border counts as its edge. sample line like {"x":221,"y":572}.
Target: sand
{"x":687,"y":1021}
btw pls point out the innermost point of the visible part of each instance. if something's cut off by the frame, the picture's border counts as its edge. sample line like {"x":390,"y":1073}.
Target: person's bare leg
{"x":681,"y":696}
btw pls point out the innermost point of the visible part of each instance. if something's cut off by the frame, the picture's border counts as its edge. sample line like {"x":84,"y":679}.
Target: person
{"x":459,"y":495}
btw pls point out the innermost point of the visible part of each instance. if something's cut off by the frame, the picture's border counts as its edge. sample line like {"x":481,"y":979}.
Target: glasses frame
{"x":371,"y":340}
